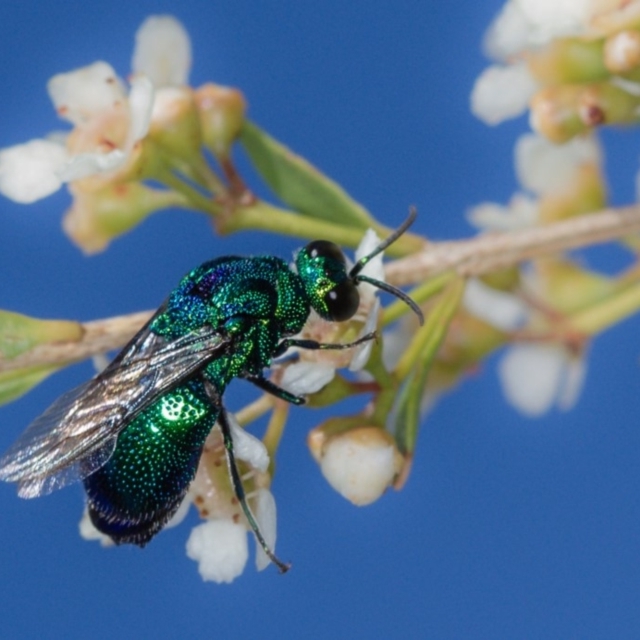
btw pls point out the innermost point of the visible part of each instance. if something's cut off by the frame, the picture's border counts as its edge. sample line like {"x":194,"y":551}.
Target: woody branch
{"x":473,"y":257}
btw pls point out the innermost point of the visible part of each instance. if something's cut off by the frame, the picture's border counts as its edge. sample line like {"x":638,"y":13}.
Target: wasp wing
{"x":78,"y":433}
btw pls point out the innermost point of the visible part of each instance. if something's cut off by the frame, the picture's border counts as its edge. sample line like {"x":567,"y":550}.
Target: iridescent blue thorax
{"x":254,"y":301}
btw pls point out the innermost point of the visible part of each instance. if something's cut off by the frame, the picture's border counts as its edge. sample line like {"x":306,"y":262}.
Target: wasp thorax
{"x":323,"y":269}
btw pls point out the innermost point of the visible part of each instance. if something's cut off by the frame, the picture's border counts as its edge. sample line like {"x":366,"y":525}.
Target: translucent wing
{"x":77,"y":434}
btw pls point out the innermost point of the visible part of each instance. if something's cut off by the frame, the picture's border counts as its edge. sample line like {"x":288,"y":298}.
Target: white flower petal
{"x":84,"y":165}
{"x":59,"y":137}
{"x":360,"y":464}
{"x":557,"y":18}
{"x":509,"y":33}
{"x":501,"y":310}
{"x":301,"y":378}
{"x":574,"y":375}
{"x":531,"y":375}
{"x":265,"y":515}
{"x":80,"y":94}
{"x":247,"y":447}
{"x":373,"y":269}
{"x":162,"y":51}
{"x":89,"y":532}
{"x":521,"y":212}
{"x":544,"y":167}
{"x":220,"y":548}
{"x":501,"y":93}
{"x":29,"y":171}
{"x":140,"y":107}
{"x":362,"y":352}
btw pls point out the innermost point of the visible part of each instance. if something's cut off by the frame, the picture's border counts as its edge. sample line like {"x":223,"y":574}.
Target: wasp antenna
{"x":357,"y":268}
{"x":394,"y":291}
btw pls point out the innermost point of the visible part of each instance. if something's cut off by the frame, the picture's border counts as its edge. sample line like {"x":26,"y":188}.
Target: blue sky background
{"x":508,"y":527}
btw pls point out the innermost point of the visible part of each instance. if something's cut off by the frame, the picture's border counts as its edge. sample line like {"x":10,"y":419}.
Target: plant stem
{"x":607,"y":312}
{"x":266,"y":217}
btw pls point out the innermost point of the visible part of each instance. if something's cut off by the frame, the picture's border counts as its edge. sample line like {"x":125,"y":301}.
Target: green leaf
{"x":299,"y":184}
{"x":17,"y":382}
{"x":19,"y":333}
{"x":416,"y":363}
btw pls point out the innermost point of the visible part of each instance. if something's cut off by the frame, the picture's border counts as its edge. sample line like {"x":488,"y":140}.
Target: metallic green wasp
{"x":135,"y":432}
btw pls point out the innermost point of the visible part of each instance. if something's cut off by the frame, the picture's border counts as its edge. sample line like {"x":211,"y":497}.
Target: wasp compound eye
{"x":325,"y":249}
{"x":342,"y":301}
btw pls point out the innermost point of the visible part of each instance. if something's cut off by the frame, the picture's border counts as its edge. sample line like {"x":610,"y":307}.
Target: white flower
{"x":89,"y":532}
{"x":265,"y":514}
{"x":163,"y":51}
{"x":534,"y":376}
{"x":220,"y":548}
{"x":81,"y":94}
{"x":108,"y":123}
{"x":500,"y":309}
{"x":537,"y":377}
{"x":521,"y":212}
{"x":559,"y":18}
{"x":362,"y":352}
{"x":544,"y":167}
{"x":108,"y":126}
{"x":31,"y":171}
{"x":527,"y":24}
{"x":509,"y":33}
{"x":304,"y":377}
{"x":361,"y":463}
{"x":502,"y":92}
{"x":373,"y":269}
{"x":247,"y":447}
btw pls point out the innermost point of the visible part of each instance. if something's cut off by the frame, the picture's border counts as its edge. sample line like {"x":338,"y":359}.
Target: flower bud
{"x":584,"y":194}
{"x":99,"y":215}
{"x":568,"y":287}
{"x":361,"y":463}
{"x":175,"y":124}
{"x":554,"y":113}
{"x":562,"y":112}
{"x":222,"y":111}
{"x":568,"y":61}
{"x":622,"y":51}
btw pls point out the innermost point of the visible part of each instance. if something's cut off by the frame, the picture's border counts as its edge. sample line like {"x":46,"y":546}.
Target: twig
{"x":484,"y":254}
{"x":495,"y":251}
{"x":98,"y":336}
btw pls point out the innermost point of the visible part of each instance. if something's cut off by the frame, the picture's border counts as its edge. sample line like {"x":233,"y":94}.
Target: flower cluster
{"x":124,"y":134}
{"x":576,"y":63}
{"x":572,"y":64}
{"x":153,"y":141}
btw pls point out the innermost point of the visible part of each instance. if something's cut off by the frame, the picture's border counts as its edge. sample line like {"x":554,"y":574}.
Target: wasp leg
{"x":225,"y":427}
{"x":275,"y":390}
{"x":287,"y":343}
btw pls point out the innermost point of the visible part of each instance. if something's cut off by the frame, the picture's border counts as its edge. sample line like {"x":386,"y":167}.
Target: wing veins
{"x":85,"y":420}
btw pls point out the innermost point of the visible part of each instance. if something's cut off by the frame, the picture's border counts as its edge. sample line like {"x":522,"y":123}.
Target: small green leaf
{"x":299,"y":184}
{"x":416,"y":363}
{"x":17,"y":382}
{"x":19,"y":333}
